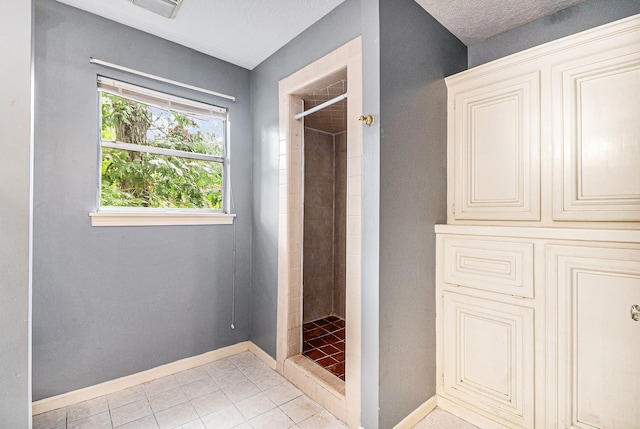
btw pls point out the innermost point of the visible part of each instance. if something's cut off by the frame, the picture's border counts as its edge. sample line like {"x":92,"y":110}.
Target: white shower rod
{"x":321,"y":106}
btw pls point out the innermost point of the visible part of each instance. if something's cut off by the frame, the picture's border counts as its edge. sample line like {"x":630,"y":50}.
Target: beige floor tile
{"x":255,"y":405}
{"x":176,"y":416}
{"x":130,"y":412}
{"x":126,"y":396}
{"x":211,"y":403}
{"x":322,"y":420}
{"x":87,"y":408}
{"x":225,"y":418}
{"x":160,"y":385}
{"x":96,"y":421}
{"x":191,"y":375}
{"x":51,"y":419}
{"x":241,"y":390}
{"x":219,"y":367}
{"x":229,"y":378}
{"x":244,"y":358}
{"x":254,"y":370}
{"x":282,"y":393}
{"x":200,"y":388}
{"x":242,"y":426}
{"x":268,"y":380}
{"x":301,"y":408}
{"x":274,"y":419}
{"x":445,"y":420}
{"x":196,"y":424}
{"x":148,"y":422}
{"x":425,"y":425}
{"x":167,"y":399}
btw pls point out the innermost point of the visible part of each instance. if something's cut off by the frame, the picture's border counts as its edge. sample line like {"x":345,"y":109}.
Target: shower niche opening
{"x":324,"y":225}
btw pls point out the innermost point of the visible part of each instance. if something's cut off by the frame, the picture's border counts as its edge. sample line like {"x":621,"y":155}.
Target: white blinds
{"x":159,"y":99}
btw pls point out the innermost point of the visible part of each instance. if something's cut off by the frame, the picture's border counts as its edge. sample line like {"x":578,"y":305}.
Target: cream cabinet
{"x":538,"y":267}
{"x":597,"y":135}
{"x":536,"y":327}
{"x":597,"y":293}
{"x":496,"y":128}
{"x":486,"y":317}
{"x":487,"y":357}
{"x":549,"y":136}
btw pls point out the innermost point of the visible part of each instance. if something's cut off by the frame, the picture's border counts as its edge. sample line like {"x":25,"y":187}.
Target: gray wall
{"x":416,"y":53}
{"x":331,"y":32}
{"x":112,"y":301}
{"x":370,"y":326}
{"x":580,"y":17}
{"x":15,"y":215}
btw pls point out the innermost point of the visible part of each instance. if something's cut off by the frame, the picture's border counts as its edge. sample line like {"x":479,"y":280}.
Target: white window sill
{"x":159,"y":219}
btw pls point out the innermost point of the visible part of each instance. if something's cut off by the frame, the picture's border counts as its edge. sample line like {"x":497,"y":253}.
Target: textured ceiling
{"x":473,"y":21}
{"x":332,"y":119}
{"x":246,"y":32}
{"x":241,"y":32}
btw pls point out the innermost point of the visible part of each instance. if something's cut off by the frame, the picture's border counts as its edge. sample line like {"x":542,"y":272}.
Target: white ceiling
{"x":473,"y":21}
{"x":242,"y":32}
{"x":246,"y":32}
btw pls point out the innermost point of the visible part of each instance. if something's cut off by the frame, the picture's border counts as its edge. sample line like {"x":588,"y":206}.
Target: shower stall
{"x":320,"y":233}
{"x":324,"y":224}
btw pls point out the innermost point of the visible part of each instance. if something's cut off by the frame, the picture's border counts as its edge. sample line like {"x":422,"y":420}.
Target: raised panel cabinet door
{"x":597,"y":137}
{"x":496,"y":149}
{"x":488,"y":358}
{"x":598,"y":338}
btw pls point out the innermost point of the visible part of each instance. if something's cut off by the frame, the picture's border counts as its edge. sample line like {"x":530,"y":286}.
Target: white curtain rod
{"x":161,"y":79}
{"x":320,"y":106}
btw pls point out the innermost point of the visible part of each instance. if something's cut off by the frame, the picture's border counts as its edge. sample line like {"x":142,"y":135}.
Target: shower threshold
{"x":324,"y":343}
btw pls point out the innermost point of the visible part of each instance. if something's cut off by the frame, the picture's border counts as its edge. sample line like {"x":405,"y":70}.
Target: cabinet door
{"x":598,"y":340}
{"x":597,"y":137}
{"x":488,"y":358}
{"x":495,"y":149}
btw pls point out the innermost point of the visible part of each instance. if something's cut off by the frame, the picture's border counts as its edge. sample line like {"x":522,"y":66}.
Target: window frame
{"x":154,"y":216}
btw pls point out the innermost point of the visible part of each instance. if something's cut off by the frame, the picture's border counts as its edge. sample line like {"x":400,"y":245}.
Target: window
{"x":159,"y":153}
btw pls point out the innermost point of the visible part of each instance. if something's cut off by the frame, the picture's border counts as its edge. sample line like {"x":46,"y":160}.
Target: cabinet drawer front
{"x":488,"y":358}
{"x":497,"y":266}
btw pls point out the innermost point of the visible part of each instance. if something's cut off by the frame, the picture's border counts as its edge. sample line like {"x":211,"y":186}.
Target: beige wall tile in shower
{"x":355,"y":185}
{"x":354,"y":205}
{"x":354,"y":166}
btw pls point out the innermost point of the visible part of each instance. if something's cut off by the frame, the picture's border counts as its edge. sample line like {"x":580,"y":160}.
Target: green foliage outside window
{"x":140,"y":179}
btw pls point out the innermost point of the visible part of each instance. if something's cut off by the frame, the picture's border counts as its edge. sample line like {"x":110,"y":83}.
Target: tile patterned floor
{"x":324,"y":343}
{"x":440,"y":419}
{"x":238,"y":392}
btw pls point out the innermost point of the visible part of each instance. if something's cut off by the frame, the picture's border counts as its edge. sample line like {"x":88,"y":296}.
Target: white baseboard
{"x":468,"y":415}
{"x":128,"y":381}
{"x":264,"y":356}
{"x":418,"y":414}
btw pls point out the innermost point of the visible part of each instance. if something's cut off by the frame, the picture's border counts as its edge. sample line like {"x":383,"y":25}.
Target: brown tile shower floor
{"x":324,"y":343}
